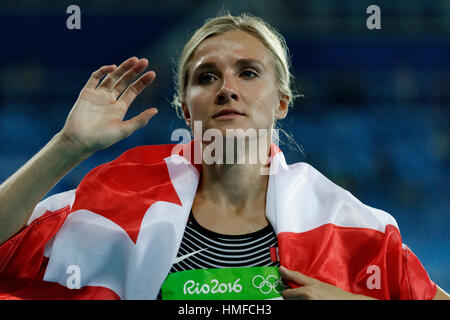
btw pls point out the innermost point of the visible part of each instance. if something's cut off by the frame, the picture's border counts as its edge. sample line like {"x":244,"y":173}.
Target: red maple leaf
{"x":124,"y":189}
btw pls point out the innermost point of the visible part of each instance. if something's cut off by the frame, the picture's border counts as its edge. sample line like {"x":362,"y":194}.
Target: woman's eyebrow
{"x":205,"y":66}
{"x":249,"y":62}
{"x":244,"y":62}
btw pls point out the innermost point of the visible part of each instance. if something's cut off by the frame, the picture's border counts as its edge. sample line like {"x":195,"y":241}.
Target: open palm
{"x":96,"y":119}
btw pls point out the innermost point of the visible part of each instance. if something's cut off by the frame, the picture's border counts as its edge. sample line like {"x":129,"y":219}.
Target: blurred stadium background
{"x":374,"y":119}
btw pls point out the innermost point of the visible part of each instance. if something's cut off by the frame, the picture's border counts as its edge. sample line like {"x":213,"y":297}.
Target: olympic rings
{"x":272,"y":282}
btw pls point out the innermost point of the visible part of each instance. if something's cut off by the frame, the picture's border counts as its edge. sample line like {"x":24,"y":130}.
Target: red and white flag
{"x":116,"y":236}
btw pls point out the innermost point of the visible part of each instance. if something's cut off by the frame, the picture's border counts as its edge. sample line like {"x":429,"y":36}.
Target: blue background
{"x":374,"y":117}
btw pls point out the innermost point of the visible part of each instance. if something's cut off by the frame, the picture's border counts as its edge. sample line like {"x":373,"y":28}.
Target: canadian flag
{"x":117,"y":234}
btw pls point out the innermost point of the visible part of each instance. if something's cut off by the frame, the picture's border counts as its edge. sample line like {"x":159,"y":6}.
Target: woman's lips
{"x":228,"y":116}
{"x":228,"y":113}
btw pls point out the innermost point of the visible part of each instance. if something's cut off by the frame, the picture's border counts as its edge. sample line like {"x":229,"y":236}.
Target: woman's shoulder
{"x":335,"y":202}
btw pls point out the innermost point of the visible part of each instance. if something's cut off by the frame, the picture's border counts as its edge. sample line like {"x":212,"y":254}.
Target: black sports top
{"x":204,"y":249}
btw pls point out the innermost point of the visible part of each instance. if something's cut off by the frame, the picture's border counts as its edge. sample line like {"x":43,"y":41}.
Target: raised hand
{"x":96,"y":119}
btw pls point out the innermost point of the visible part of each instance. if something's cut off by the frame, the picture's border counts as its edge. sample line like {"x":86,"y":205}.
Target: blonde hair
{"x":257,"y":27}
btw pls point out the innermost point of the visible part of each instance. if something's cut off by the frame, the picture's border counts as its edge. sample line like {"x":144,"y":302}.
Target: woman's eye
{"x":248,"y":74}
{"x":205,"y":78}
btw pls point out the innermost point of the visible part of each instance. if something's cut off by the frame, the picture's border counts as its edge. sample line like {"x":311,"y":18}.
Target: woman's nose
{"x":226,"y":92}
{"x":224,"y":96}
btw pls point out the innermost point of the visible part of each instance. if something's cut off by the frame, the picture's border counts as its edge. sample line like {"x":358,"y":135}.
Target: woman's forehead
{"x":233,"y":45}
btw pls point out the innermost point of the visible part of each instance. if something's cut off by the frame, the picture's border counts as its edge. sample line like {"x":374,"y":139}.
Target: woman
{"x":134,"y":223}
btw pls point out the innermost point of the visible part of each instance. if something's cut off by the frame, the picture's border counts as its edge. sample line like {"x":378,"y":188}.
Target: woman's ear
{"x":187,"y":116}
{"x":282,"y":109}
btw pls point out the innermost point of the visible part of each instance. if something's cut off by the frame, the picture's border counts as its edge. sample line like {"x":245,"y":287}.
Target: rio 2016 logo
{"x":269,"y":284}
{"x":192,"y":287}
{"x":264,"y":284}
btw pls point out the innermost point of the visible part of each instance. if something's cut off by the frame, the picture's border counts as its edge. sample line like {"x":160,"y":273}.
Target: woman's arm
{"x":313,"y":289}
{"x":21,"y":192}
{"x":94,"y":123}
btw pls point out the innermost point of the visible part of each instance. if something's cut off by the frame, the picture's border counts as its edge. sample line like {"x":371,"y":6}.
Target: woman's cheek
{"x":264,"y":112}
{"x":196,"y":107}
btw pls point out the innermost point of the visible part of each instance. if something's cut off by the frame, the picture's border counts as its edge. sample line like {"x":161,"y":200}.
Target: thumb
{"x":138,"y":121}
{"x":296,"y":277}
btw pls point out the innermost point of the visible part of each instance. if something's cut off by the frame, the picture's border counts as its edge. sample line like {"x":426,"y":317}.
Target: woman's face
{"x":231,"y":84}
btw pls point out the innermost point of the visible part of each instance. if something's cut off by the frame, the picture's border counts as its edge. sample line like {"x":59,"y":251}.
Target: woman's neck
{"x":231,"y":199}
{"x":235,"y":186}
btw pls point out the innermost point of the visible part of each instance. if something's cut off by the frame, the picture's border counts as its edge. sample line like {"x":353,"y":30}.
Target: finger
{"x":113,"y":77}
{"x":137,"y":122}
{"x":295,"y":294}
{"x":296,"y":277}
{"x":129,"y":76}
{"x":97,"y":75}
{"x":136,"y":88}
